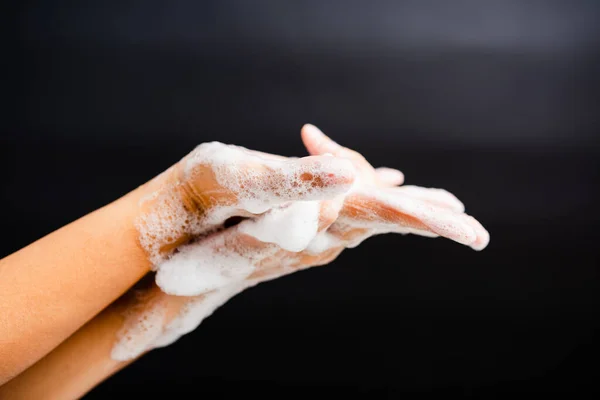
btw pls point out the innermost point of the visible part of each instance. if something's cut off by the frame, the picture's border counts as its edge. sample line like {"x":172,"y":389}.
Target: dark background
{"x":498,"y":102}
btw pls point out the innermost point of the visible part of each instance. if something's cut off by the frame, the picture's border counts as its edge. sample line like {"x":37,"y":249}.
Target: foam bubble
{"x":203,"y":267}
{"x":322,"y":242}
{"x":291,"y":227}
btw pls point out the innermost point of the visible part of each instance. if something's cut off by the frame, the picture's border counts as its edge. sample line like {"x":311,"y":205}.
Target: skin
{"x":83,"y":360}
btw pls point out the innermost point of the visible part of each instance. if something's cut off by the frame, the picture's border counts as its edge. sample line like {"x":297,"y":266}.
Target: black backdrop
{"x":497,"y":102}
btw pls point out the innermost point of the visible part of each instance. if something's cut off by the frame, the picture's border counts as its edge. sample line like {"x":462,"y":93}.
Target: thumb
{"x":316,"y":142}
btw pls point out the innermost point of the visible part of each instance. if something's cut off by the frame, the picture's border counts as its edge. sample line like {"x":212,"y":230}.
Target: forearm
{"x":86,"y":358}
{"x":58,"y":283}
{"x":75,"y":366}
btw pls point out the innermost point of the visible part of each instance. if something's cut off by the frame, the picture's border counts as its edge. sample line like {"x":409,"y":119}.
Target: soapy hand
{"x":290,"y":236}
{"x":217,"y":181}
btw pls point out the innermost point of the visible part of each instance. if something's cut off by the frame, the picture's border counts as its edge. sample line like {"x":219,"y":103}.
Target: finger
{"x":299,"y":262}
{"x":371,"y":210}
{"x":303,"y":179}
{"x":329,"y":213}
{"x":444,"y":199}
{"x":229,"y":176}
{"x":438,"y":197}
{"x":483,"y":236}
{"x":317,"y":143}
{"x":383,"y":210}
{"x":389,"y":176}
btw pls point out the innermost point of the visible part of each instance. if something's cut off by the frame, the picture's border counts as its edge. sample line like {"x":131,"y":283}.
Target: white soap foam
{"x":291,"y":227}
{"x":322,"y":242}
{"x":143,"y":325}
{"x":197,"y":270}
{"x":207,"y":265}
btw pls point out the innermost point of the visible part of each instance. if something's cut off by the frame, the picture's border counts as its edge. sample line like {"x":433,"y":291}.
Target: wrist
{"x":164,"y":215}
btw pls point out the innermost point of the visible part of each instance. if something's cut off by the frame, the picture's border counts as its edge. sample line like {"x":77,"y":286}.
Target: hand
{"x":216,"y":182}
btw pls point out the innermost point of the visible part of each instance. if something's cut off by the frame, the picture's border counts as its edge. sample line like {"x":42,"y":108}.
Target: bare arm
{"x":52,"y":287}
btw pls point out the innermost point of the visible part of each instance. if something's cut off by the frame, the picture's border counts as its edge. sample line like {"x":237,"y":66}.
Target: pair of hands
{"x":69,"y":319}
{"x":296,"y":213}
